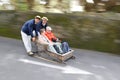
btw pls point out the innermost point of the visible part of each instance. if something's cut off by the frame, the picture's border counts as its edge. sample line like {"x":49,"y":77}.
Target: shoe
{"x":35,"y":52}
{"x":30,"y":53}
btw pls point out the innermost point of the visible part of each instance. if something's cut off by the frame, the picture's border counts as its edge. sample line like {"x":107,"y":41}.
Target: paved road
{"x":88,"y":65}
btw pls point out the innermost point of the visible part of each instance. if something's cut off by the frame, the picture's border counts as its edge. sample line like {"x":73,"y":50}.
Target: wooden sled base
{"x":53,"y":57}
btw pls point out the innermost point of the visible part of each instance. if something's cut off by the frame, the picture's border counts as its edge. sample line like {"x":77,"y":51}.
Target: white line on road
{"x":65,"y":69}
{"x":98,"y":66}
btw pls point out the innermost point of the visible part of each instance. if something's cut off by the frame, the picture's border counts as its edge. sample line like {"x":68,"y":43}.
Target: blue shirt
{"x":29,"y":26}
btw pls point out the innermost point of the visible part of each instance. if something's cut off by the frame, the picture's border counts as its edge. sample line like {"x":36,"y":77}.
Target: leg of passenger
{"x":59,"y":46}
{"x":67,"y":46}
{"x":56,"y":48}
{"x":51,"y":48}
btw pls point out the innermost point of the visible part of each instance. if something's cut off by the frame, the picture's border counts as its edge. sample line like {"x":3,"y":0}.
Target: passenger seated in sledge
{"x":49,"y":45}
{"x":50,"y":35}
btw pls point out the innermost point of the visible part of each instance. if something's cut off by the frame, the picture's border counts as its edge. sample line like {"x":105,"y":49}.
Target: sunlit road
{"x":88,"y":65}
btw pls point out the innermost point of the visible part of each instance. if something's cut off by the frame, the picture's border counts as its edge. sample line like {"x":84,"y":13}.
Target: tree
{"x":30,"y":4}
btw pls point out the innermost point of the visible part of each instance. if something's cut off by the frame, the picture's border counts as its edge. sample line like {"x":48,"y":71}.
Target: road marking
{"x":65,"y":69}
{"x":99,"y":66}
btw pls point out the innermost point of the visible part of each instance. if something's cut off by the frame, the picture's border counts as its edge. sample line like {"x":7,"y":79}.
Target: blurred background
{"x":61,"y":6}
{"x":85,"y":24}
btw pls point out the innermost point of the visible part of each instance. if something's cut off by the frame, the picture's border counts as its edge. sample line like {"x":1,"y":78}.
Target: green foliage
{"x":114,"y":8}
{"x":10,"y":32}
{"x":22,"y":7}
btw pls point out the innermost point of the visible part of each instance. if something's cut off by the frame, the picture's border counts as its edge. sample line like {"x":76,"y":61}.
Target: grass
{"x":11,"y":33}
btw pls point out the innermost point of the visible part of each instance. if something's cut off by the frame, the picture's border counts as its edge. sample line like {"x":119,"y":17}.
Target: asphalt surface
{"x":15,"y":64}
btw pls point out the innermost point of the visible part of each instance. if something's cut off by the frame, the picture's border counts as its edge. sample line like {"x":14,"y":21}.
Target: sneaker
{"x":30,"y":53}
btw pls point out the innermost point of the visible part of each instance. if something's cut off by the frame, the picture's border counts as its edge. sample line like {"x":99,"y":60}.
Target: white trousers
{"x":26,"y":41}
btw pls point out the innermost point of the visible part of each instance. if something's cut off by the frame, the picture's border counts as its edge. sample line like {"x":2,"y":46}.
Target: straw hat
{"x":37,"y":17}
{"x":45,"y":18}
